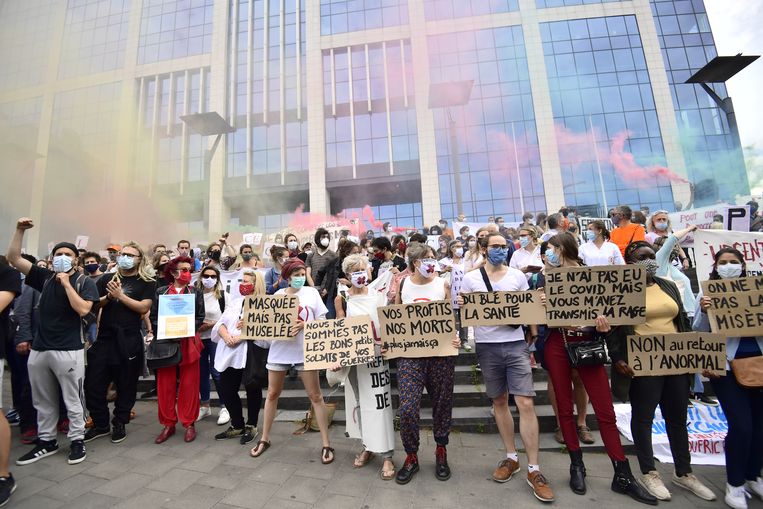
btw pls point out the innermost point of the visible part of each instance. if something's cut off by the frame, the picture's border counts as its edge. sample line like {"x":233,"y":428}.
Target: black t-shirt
{"x":117,"y":314}
{"x":60,"y":326}
{"x":10,"y":281}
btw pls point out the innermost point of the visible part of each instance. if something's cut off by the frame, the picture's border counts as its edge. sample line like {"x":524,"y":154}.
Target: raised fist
{"x":24,"y":223}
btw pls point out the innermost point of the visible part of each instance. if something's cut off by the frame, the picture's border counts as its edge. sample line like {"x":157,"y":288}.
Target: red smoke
{"x":624,"y":163}
{"x":356,"y":223}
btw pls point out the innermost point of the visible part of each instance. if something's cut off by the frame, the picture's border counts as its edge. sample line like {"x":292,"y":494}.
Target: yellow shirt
{"x":660,"y":312}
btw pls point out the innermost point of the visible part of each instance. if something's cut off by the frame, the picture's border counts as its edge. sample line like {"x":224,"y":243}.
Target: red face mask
{"x":246,"y":288}
{"x":184,"y":278}
{"x":379,"y":255}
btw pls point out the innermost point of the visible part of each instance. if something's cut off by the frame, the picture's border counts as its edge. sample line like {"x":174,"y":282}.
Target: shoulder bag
{"x":748,"y":371}
{"x":585,"y":353}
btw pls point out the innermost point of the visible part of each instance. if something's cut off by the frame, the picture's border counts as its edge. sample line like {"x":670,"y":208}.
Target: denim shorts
{"x":506,"y":368}
{"x":284,"y":367}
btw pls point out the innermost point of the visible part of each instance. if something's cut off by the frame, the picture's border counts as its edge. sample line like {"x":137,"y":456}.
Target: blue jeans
{"x":744,"y":441}
{"x":206,"y":368}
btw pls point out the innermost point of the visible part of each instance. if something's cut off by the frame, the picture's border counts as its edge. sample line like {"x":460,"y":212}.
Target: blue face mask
{"x":62,"y":263}
{"x":524,"y":241}
{"x":297,"y":282}
{"x":590,"y":235}
{"x":552,"y":258}
{"x":125,"y":262}
{"x":497,"y":255}
{"x":661,"y":225}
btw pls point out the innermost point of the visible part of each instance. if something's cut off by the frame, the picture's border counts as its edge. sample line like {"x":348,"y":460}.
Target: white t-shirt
{"x":212,"y":312}
{"x":471,"y":261}
{"x":607,"y":254}
{"x":523,"y":258}
{"x":311,"y":307}
{"x":512,"y":281}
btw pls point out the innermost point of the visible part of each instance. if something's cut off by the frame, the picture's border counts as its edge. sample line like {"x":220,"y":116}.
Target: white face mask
{"x":428,"y":268}
{"x":292,"y":245}
{"x":459,"y":252}
{"x":208,"y":282}
{"x":325,"y":242}
{"x":729,"y":270}
{"x":472,"y":243}
{"x":359,"y":279}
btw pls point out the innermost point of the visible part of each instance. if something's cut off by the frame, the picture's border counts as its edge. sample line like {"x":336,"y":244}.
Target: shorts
{"x":284,"y":367}
{"x":506,"y":368}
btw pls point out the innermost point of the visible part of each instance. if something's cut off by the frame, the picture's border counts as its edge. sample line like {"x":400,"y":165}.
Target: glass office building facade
{"x":572,"y":102}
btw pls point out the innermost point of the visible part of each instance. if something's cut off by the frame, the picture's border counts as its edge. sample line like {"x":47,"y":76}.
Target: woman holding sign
{"x":234,"y":357}
{"x":742,"y":405}
{"x":562,"y":251}
{"x":186,"y":374}
{"x":436,"y":374}
{"x":664,"y":315}
{"x":287,"y":354}
{"x":367,"y":394}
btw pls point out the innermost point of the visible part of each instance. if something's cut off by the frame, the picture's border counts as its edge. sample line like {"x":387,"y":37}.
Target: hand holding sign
{"x":331,"y":344}
{"x":271,"y":317}
{"x":423,"y":329}
{"x":501,"y":308}
{"x":677,"y":354}
{"x":734,"y":306}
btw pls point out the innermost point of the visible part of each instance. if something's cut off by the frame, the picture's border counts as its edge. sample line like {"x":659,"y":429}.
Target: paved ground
{"x":203,"y":474}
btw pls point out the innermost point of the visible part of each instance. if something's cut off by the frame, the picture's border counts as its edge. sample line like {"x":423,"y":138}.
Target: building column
{"x":430,"y":181}
{"x":663,"y":100}
{"x":553,"y":186}
{"x":218,"y":212}
{"x":316,"y":135}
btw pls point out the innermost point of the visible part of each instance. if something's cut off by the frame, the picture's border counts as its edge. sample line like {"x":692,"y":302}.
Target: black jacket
{"x":617,"y":338}
{"x":199,"y":311}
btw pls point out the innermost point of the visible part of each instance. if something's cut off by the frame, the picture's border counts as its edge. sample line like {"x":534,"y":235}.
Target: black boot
{"x":577,"y":472}
{"x":410,"y":467}
{"x":625,"y":483}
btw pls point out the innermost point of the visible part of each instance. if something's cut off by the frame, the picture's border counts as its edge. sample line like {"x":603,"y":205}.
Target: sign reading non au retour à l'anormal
{"x":677,"y":354}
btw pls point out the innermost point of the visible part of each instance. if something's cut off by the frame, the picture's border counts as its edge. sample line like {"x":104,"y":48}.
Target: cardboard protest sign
{"x":708,"y":242}
{"x":502,"y":308}
{"x":735,"y":217}
{"x":423,"y":329}
{"x":577,"y":295}
{"x":677,"y":354}
{"x":737,"y":308}
{"x":269,"y":317}
{"x":176,"y":316}
{"x":341,"y":342}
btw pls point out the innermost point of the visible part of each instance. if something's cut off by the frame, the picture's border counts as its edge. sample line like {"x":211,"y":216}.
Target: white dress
{"x":367,"y":390}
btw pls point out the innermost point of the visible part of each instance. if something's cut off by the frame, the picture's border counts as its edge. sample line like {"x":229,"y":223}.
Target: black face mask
{"x":214,"y":255}
{"x":160,"y":269}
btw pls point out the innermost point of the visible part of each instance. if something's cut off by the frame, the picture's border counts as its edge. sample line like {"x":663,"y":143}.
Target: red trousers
{"x":185,"y":392}
{"x":596,"y":385}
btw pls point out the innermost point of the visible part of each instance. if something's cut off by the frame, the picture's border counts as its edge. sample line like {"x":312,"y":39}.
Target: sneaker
{"x":204,"y":411}
{"x":652,"y":482}
{"x":63,"y":427}
{"x":29,"y":436}
{"x":94,"y":433}
{"x":118,"y":432}
{"x":691,"y":483}
{"x":584,"y":434}
{"x":540,"y":487}
{"x":756,"y":487}
{"x":7,"y":487}
{"x":441,"y":469}
{"x":558,"y":436}
{"x":478,"y":368}
{"x":44,"y":448}
{"x":505,"y":470}
{"x":77,"y":453}
{"x":706,"y":400}
{"x":410,"y":467}
{"x":250,"y":433}
{"x":736,"y":497}
{"x":224,"y":417}
{"x":13,"y":417}
{"x":467,"y":347}
{"x":231,"y":432}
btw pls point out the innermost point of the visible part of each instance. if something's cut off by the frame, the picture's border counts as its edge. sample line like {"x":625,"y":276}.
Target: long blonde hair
{"x":145,"y":269}
{"x":259,"y":281}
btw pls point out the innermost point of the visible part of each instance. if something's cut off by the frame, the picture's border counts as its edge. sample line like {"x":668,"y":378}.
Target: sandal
{"x":387,"y":475}
{"x":362,"y":459}
{"x":325,"y":459}
{"x":265,"y":445}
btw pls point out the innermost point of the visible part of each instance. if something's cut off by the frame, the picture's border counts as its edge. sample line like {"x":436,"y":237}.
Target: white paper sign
{"x":735,"y":217}
{"x":708,"y":242}
{"x":81,"y":241}
{"x":177,"y":316}
{"x":707,"y":428}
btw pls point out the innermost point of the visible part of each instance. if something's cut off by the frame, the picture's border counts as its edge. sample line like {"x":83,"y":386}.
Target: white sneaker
{"x":652,"y":483}
{"x":224,"y":417}
{"x":691,"y":483}
{"x":756,"y":487}
{"x":204,"y":411}
{"x":467,"y":347}
{"x":736,"y":497}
